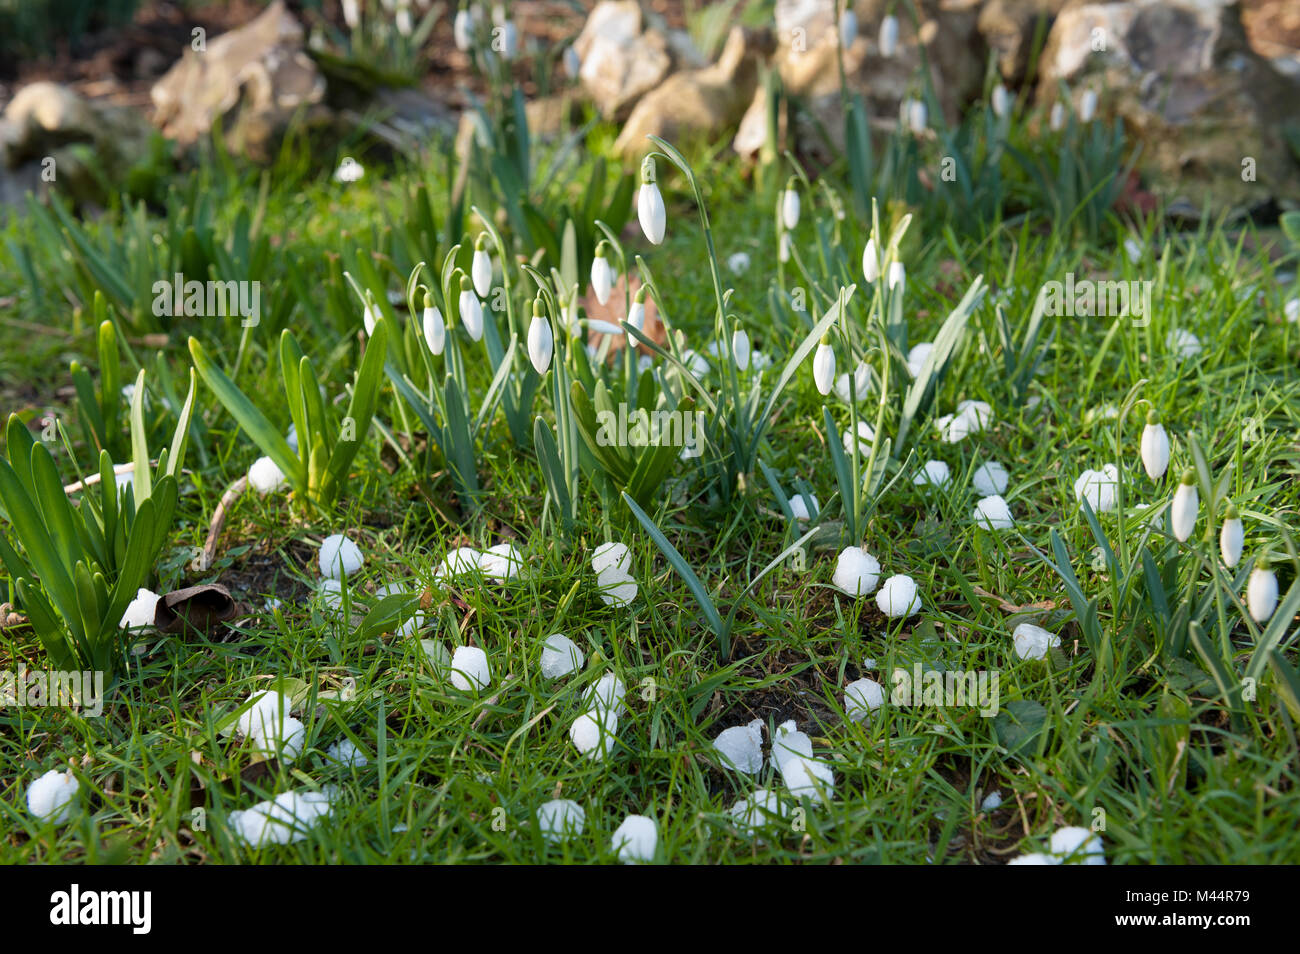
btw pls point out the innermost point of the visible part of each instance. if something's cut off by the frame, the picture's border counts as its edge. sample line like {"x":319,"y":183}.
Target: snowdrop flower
{"x":283,"y":820}
{"x":265,"y":477}
{"x":1182,"y":513}
{"x":784,"y":252}
{"x":861,"y":697}
{"x":1261,"y":591}
{"x":464,"y":26}
{"x":758,"y":810}
{"x":1033,"y":642}
{"x":403,"y":18}
{"x":934,"y":473}
{"x":1155,"y":447}
{"x":738,"y":263}
{"x":898,"y":597}
{"x":560,"y":819}
{"x":52,"y":797}
{"x":916,"y":357}
{"x":481,"y":267}
{"x":866,"y":437}
{"x":650,"y":204}
{"x":871,"y":262}
{"x":992,"y":513}
{"x":370,"y":316}
{"x":1133,"y":249}
{"x":352,"y":13}
{"x":349,"y":170}
{"x":889,"y":36}
{"x":469,"y":669}
{"x":471,"y":310}
{"x":824,"y":366}
{"x":1088,"y":105}
{"x":1001,"y":101}
{"x":917,"y":115}
{"x":541,"y":342}
{"x":141,"y":611}
{"x":790,"y":206}
{"x":560,"y":656}
{"x":635,"y":840}
{"x":740,"y":348}
{"x":848,"y":27}
{"x":897,"y":277}
{"x":435,"y":329}
{"x":345,"y":752}
{"x":617,"y":587}
{"x":1183,"y":342}
{"x":861,"y":384}
{"x":1057,"y":116}
{"x":1077,"y":846}
{"x":505,"y":39}
{"x":803,"y":506}
{"x":611,"y":555}
{"x":1231,"y":537}
{"x":1292,"y":310}
{"x":339,"y":556}
{"x":501,"y":562}
{"x":856,"y":572}
{"x":990,"y":478}
{"x":602,"y":276}
{"x":636,"y":314}
{"x":1099,"y":487}
{"x":741,"y":747}
{"x":593,"y":733}
{"x":572,"y":62}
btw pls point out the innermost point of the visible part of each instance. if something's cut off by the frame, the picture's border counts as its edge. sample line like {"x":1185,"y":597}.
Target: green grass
{"x":455,"y":777}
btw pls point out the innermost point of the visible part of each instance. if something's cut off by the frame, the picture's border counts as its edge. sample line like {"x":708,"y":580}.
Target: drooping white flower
{"x":339,"y":556}
{"x":650,"y":204}
{"x":1155,"y":447}
{"x":1261,"y":591}
{"x":916,"y":357}
{"x":433,"y":326}
{"x":871,"y":261}
{"x":741,"y":747}
{"x":1033,"y":642}
{"x":471,"y":309}
{"x":888,"y":35}
{"x":1077,"y":846}
{"x":1231,"y":537}
{"x":635,"y":840}
{"x":990,"y":478}
{"x":560,"y":656}
{"x":480,"y":268}
{"x":636,"y":314}
{"x":1099,"y":487}
{"x":933,"y":473}
{"x":265,"y":476}
{"x":352,"y":13}
{"x":898,"y":597}
{"x":917,"y":115}
{"x":1088,"y":105}
{"x":593,"y":733}
{"x":848,"y":27}
{"x":740,"y":348}
{"x":349,"y":170}
{"x":541,"y":341}
{"x":856,"y":572}
{"x":283,"y":820}
{"x":611,"y":554}
{"x":1001,"y":101}
{"x":790,"y":206}
{"x":141,"y":611}
{"x":824,"y":366}
{"x":993,"y":513}
{"x":602,"y":276}
{"x":785,"y":247}
{"x":464,"y":26}
{"x":560,"y":819}
{"x":1057,"y":116}
{"x":501,"y":562}
{"x":803,"y":506}
{"x":738,"y":262}
{"x":469,"y":668}
{"x":861,"y":697}
{"x":861,"y":384}
{"x":897,"y":276}
{"x":1182,"y":513}
{"x":52,"y":797}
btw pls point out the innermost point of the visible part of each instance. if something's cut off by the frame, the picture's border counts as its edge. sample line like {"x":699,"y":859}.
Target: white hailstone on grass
{"x":898,"y":597}
{"x":1057,"y":118}
{"x":856,"y":572}
{"x":802,"y":774}
{"x":1034,"y":857}
{"x":470,"y":308}
{"x":1099,"y":487}
{"x":607,"y":692}
{"x":871,"y":262}
{"x":790,"y":205}
{"x":330,"y":594}
{"x":433,"y":326}
{"x":1232,"y":536}
{"x":888,"y":39}
{"x":1261,"y":591}
{"x":1292,"y":309}
{"x":458,"y":562}
{"x":264,"y":710}
{"x":1182,"y":512}
{"x":541,"y":341}
{"x":1088,"y":105}
{"x":1155,"y":447}
{"x":501,"y":562}
{"x":611,"y":554}
{"x":803,"y":506}
{"x":848,"y":27}
{"x":757,"y":810}
{"x":992,"y":513}
{"x":560,"y":656}
{"x":339,"y":556}
{"x":650,"y":209}
{"x":1134,"y":249}
{"x":265,"y":476}
{"x":738,"y":262}
{"x":990,"y":478}
{"x":1077,"y":846}
{"x":971,"y":418}
{"x":933,"y":473}
{"x":52,"y":797}
{"x":866,"y":437}
{"x":602,"y":276}
{"x":861,"y":383}
{"x":1001,"y":101}
{"x":897,"y":277}
{"x":617,"y":587}
{"x":1033,"y":642}
{"x":437,"y":654}
{"x":1181,"y":341}
{"x":284,"y":820}
{"x":916,"y":357}
{"x":861,"y":697}
{"x":740,"y":348}
{"x":280,"y":738}
{"x":992,"y":802}
{"x":469,"y":669}
{"x":141,"y":611}
{"x":345,"y":752}
{"x":635,"y":840}
{"x":560,"y":819}
{"x":741,"y":747}
{"x":824,"y":366}
{"x":593,"y":733}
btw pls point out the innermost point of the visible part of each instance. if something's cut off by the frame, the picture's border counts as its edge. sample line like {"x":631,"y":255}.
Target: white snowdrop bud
{"x":435,"y":329}
{"x":1057,"y":118}
{"x":1155,"y":447}
{"x":1001,"y":101}
{"x":848,"y":27}
{"x":784,"y":252}
{"x":469,"y":668}
{"x":602,"y":276}
{"x":898,"y":597}
{"x":1261,"y":591}
{"x":856,"y":572}
{"x":463,"y":27}
{"x":824,"y":366}
{"x":541,"y":342}
{"x":897,"y":277}
{"x":1088,"y":105}
{"x":740,"y":348}
{"x":1231,"y":537}
{"x":889,"y":35}
{"x":339,"y":556}
{"x":1182,"y":513}
{"x":790,"y":206}
{"x":871,"y":262}
{"x":636,"y":314}
{"x":471,"y":310}
{"x":918,"y":115}
{"x":52,"y":796}
{"x":650,"y":204}
{"x":480,"y":268}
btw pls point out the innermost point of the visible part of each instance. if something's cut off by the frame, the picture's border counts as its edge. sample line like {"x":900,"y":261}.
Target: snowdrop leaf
{"x":548,"y":455}
{"x":505,"y":368}
{"x":1155,"y":587}
{"x":1288,"y":681}
{"x":1112,"y":563}
{"x":1228,"y":684}
{"x":569,"y":255}
{"x":361,"y":408}
{"x":291,"y":357}
{"x":843,"y":472}
{"x":1270,"y":640}
{"x":181,"y":436}
{"x":923,"y":389}
{"x":656,"y":461}
{"x":1085,"y":611}
{"x":615,"y":464}
{"x":139,"y":442}
{"x":1020,"y":722}
{"x":387,"y":613}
